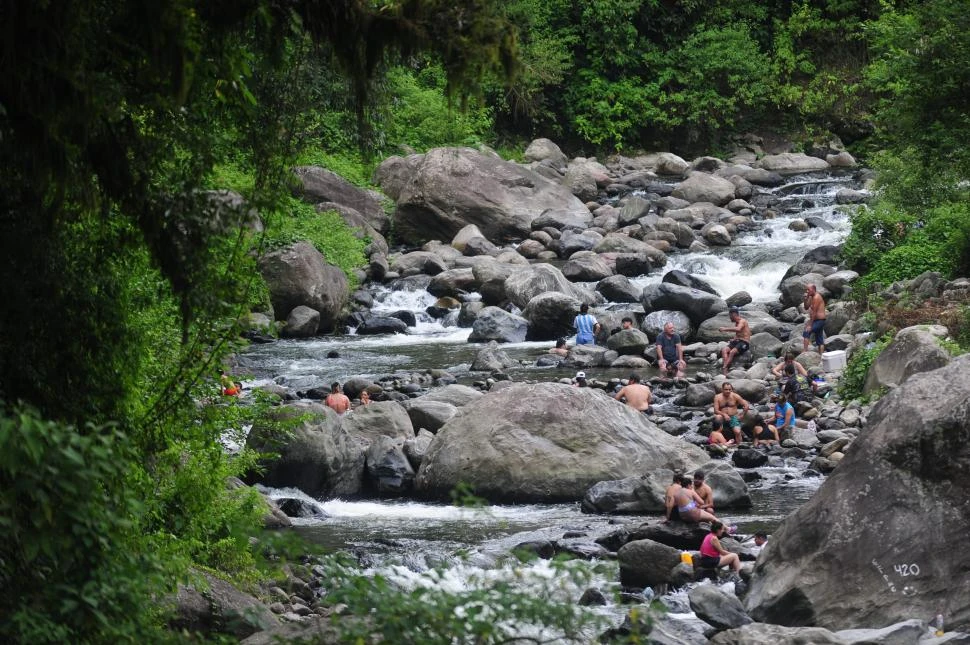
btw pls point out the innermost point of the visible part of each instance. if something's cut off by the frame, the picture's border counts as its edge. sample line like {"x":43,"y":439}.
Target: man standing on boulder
{"x":670,"y":352}
{"x":726,"y":405}
{"x":637,"y":395}
{"x":586,"y":326}
{"x":741,"y":341}
{"x":815,"y":325}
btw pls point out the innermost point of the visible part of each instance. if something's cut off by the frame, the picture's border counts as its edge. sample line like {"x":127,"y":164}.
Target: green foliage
{"x":857,"y":367}
{"x":325,"y":230}
{"x":69,"y":541}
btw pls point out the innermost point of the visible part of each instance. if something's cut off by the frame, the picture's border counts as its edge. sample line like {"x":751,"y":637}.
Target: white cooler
{"x":833,"y":361}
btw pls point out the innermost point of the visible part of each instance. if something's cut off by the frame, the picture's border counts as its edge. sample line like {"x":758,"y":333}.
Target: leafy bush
{"x":73,"y":567}
{"x":854,"y":376}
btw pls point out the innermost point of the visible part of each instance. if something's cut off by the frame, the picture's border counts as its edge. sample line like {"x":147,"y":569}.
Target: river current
{"x":403,"y":539}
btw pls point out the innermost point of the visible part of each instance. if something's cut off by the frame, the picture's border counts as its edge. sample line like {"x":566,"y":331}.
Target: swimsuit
{"x":734,"y":421}
{"x":741,"y":345}
{"x":691,"y":505}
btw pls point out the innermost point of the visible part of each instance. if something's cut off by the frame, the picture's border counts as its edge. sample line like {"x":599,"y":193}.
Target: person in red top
{"x":713,"y":555}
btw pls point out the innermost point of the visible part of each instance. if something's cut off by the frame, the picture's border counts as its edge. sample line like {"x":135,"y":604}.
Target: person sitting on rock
{"x":560,"y":348}
{"x":715,"y":556}
{"x":741,"y":341}
{"x":716,"y":438}
{"x":797,"y":387}
{"x":229,"y":387}
{"x":364,"y":398}
{"x":586,"y":326}
{"x":779,"y":370}
{"x":780,"y":426}
{"x":670,"y":499}
{"x":703,"y":491}
{"x":670,"y":353}
{"x":337,"y":400}
{"x":581,"y":380}
{"x":689,"y":503}
{"x":636,"y":394}
{"x":726,"y":405}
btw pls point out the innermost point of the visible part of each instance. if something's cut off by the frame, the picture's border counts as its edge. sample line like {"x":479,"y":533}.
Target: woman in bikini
{"x":689,"y":503}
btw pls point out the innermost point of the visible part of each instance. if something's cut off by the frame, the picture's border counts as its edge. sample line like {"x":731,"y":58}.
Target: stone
{"x":319,"y":456}
{"x":717,"y":607}
{"x":764,"y":634}
{"x":299,"y":275}
{"x":904,"y":633}
{"x":525,"y":283}
{"x":703,"y":187}
{"x":494,"y":323}
{"x":791,"y":163}
{"x":373,"y":325}
{"x":645,"y":563}
{"x":429,"y":414}
{"x":301,"y":323}
{"x":321,"y":185}
{"x":586,"y":266}
{"x":618,"y":288}
{"x":697,"y":305}
{"x":749,"y":458}
{"x":547,"y":442}
{"x":388,"y":468}
{"x":550,"y":315}
{"x":913,"y":350}
{"x":491,"y":359}
{"x":444,"y":190}
{"x":628,"y":342}
{"x":884,"y":523}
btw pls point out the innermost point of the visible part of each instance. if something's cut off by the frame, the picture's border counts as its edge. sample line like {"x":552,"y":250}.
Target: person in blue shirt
{"x":586,"y":327}
{"x":781,"y":425}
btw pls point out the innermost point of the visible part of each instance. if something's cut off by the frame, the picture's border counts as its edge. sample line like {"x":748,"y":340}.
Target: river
{"x":404,"y":539}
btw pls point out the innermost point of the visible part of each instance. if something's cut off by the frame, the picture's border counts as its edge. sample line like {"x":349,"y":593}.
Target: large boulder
{"x":491,"y":359}
{"x":547,"y":442}
{"x":379,"y":419}
{"x":913,"y":350}
{"x":618,"y":288}
{"x":544,"y":150}
{"x":653,"y":324}
{"x":764,"y":634}
{"x":449,"y":188}
{"x":696,"y":304}
{"x":494,"y":323}
{"x":628,"y":342}
{"x":791,"y":163}
{"x":299,"y":275}
{"x":645,"y":563}
{"x":889,"y":524}
{"x":525,"y":283}
{"x":321,"y":185}
{"x":551,"y":315}
{"x":586,"y":266}
{"x":717,"y":607}
{"x":319,"y":456}
{"x":702,"y":187}
{"x":429,"y":414}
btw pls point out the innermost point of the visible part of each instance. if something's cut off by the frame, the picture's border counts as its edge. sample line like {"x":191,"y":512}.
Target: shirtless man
{"x":815,"y":325}
{"x":637,"y":395}
{"x":726,"y":405}
{"x":704,"y":492}
{"x":560,"y":348}
{"x":337,"y":400}
{"x":670,"y":499}
{"x":741,"y":341}
{"x":670,"y":352}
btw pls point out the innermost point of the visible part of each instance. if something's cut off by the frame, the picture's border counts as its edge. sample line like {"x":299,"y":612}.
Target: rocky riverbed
{"x":508,"y":252}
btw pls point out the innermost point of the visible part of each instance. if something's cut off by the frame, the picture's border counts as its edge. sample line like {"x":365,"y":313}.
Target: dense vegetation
{"x":121,"y":274}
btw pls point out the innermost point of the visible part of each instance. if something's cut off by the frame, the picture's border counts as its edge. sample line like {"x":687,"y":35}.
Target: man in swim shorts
{"x":741,"y":341}
{"x":726,"y":404}
{"x":636,"y":394}
{"x":815,"y":325}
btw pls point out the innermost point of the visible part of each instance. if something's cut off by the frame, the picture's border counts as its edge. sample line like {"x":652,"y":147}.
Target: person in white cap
{"x":581,"y":379}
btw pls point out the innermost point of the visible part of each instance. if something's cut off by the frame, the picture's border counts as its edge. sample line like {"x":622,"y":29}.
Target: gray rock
{"x":546,"y":150}
{"x":653,"y":324}
{"x":320,"y":185}
{"x":684,"y":279}
{"x":866,"y":528}
{"x":319,"y":456}
{"x":446,"y":189}
{"x":499,"y":325}
{"x":618,"y":288}
{"x":299,"y":275}
{"x":913,"y":350}
{"x":301,"y":323}
{"x":388,"y":467}
{"x":586,"y":266}
{"x":697,"y":305}
{"x":702,"y":187}
{"x":455,"y":394}
{"x":415,"y":449}
{"x":373,"y":325}
{"x":717,"y":607}
{"x":645,"y":563}
{"x":908,"y":632}
{"x":525,"y":283}
{"x":550,"y":315}
{"x":628,"y":342}
{"x":429,"y":414}
{"x":547,"y":442}
{"x":491,"y":359}
{"x":765,"y":634}
{"x":791,"y":163}
{"x":749,"y":458}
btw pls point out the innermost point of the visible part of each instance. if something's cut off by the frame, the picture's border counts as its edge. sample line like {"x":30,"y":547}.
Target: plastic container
{"x":833,"y":361}
{"x":686,"y":558}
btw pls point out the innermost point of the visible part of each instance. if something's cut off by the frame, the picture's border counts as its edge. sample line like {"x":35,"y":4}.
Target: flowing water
{"x":403,"y":539}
